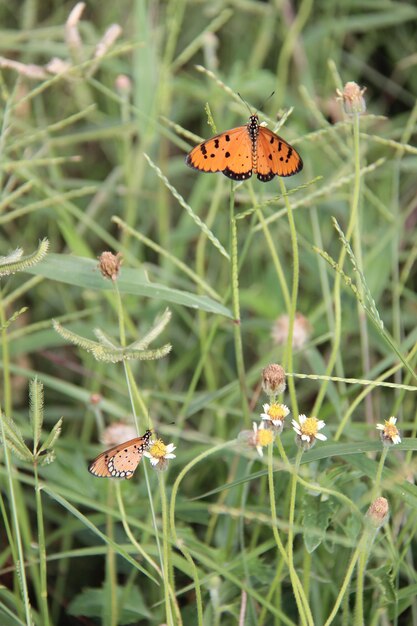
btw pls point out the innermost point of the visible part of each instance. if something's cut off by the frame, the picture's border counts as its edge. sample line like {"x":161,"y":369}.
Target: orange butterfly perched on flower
{"x":122,"y":460}
{"x":246,"y":150}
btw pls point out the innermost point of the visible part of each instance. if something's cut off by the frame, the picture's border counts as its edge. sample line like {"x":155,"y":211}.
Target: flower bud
{"x":273,"y":379}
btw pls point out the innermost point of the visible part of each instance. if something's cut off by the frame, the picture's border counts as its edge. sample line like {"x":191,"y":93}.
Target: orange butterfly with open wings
{"x":246,"y":150}
{"x":122,"y":460}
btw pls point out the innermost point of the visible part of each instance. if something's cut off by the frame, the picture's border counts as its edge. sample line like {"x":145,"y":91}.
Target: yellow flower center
{"x":158,"y":449}
{"x":264,"y":437}
{"x":276,"y":412}
{"x":390,"y":430}
{"x":310,"y":427}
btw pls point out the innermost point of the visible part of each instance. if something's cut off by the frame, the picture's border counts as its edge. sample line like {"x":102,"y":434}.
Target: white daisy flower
{"x":258,"y":437}
{"x":389,"y":432}
{"x":307,"y":429}
{"x":159,"y":454}
{"x":274,"y":414}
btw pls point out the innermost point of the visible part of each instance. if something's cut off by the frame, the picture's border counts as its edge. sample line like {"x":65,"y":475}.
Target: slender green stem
{"x":110,"y":606}
{"x":377,"y":484}
{"x":120,"y":315}
{"x":360,"y":579}
{"x":134,"y":391}
{"x":165,"y":548}
{"x":343,"y":589}
{"x":179,"y":542}
{"x":288,"y":358}
{"x":42,"y":550}
{"x":236,"y":306}
{"x":304,"y":609}
{"x":301,"y":600}
{"x":20,"y":563}
{"x":7,"y":390}
{"x":337,"y":280}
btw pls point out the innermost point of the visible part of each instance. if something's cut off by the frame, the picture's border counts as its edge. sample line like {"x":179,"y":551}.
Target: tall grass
{"x":315,"y":273}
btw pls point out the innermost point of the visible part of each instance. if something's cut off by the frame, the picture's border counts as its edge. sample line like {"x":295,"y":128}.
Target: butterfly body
{"x":121,"y":460}
{"x":245,"y":150}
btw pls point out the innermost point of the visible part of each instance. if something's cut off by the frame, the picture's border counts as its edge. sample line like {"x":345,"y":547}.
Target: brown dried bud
{"x":301,"y":330}
{"x":109,"y":264}
{"x":123,"y":83}
{"x":273,"y":379}
{"x":95,"y":398}
{"x":377,"y":514}
{"x":352,"y":98}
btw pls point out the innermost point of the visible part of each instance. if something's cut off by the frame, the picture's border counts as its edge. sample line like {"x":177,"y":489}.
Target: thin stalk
{"x":360,"y":579}
{"x":165,"y":548}
{"x":301,"y":600}
{"x":337,"y":281}
{"x":288,"y":361}
{"x":179,"y":542}
{"x":110,"y":606}
{"x":243,"y":550}
{"x":344,"y":588}
{"x":375,"y":491}
{"x":20,"y":563}
{"x":7,"y":390}
{"x":236,"y":307}
{"x":305,"y":617}
{"x":42,"y":550}
{"x":133,"y":390}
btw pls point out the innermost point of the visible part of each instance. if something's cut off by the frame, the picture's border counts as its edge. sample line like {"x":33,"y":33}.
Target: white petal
{"x":147,"y":454}
{"x":277,"y":422}
{"x":320,"y":424}
{"x":302,"y":418}
{"x":380,"y":427}
{"x":264,"y":416}
{"x":265,"y":407}
{"x":305,"y":438}
{"x":170,"y":448}
{"x":321,"y":437}
{"x":260,"y":451}
{"x":170,"y":456}
{"x":154,"y":460}
{"x":396,"y":439}
{"x":393,"y":420}
{"x":255,"y":427}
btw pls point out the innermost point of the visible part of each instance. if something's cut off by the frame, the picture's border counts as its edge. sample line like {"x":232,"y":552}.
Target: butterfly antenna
{"x":244,"y":101}
{"x":265,"y":101}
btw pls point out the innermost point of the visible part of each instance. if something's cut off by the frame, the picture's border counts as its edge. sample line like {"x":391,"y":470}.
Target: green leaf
{"x":317,"y":515}
{"x":15,"y":440}
{"x":90,"y":603}
{"x":53,"y":436}
{"x":84,"y":273}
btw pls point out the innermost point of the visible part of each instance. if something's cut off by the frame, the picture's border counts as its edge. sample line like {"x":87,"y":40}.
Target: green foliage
{"x":316,"y":272}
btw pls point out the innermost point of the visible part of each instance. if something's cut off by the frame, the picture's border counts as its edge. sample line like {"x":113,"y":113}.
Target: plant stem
{"x":300,"y":597}
{"x":20,"y":563}
{"x":42,"y":550}
{"x":304,"y":610}
{"x":165,"y":548}
{"x":288,"y":360}
{"x":236,"y":307}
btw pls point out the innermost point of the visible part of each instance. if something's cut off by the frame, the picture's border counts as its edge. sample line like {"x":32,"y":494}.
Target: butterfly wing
{"x":230,"y":153}
{"x":122,"y":460}
{"x":276,"y":157}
